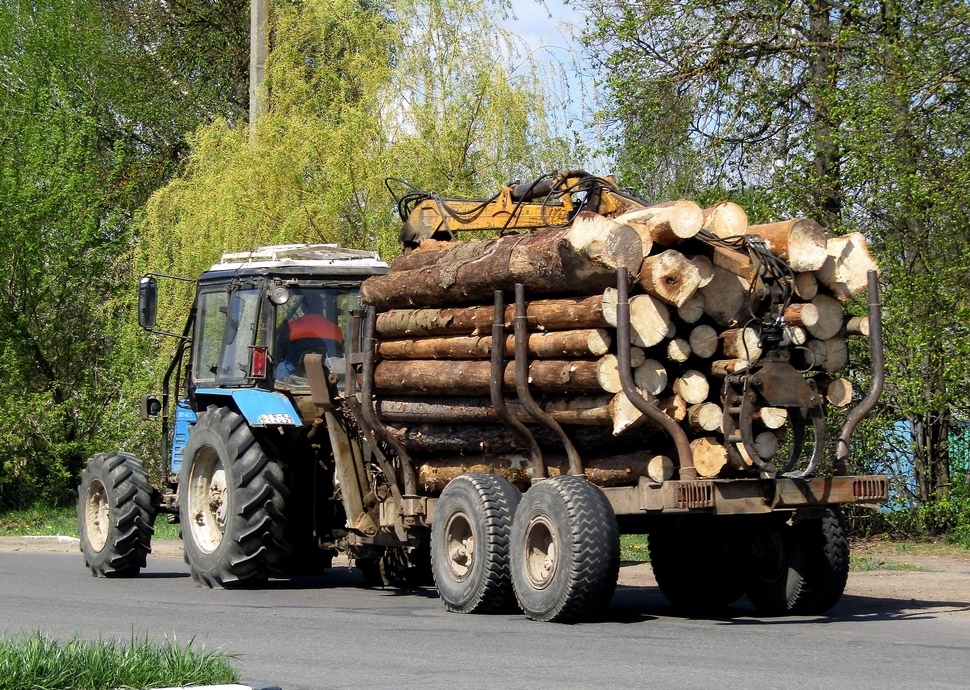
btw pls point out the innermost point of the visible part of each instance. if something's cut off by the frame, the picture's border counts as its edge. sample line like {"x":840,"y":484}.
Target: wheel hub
{"x":541,"y":552}
{"x":460,"y":542}
{"x":208,"y":500}
{"x":97,"y":514}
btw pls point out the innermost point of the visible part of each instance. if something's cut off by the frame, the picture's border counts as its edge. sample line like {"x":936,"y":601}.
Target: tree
{"x":430,"y":92}
{"x":91,"y":121}
{"x":849,"y":113}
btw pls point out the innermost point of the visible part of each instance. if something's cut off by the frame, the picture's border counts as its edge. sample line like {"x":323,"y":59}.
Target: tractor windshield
{"x":312,"y":320}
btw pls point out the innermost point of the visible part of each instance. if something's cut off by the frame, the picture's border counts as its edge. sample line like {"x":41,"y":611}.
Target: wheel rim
{"x":541,"y":552}
{"x":96,"y":514}
{"x":460,"y":543}
{"x":208,"y":500}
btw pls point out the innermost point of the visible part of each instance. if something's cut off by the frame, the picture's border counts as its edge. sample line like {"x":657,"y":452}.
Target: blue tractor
{"x":247,"y":466}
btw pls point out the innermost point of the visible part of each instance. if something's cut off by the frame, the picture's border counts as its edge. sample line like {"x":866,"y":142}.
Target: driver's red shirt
{"x":314,"y":326}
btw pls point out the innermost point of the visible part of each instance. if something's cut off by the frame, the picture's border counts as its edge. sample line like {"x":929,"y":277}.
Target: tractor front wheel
{"x":115,"y":515}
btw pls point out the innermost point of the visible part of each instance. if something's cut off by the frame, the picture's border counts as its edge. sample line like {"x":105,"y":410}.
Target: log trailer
{"x":488,"y":416}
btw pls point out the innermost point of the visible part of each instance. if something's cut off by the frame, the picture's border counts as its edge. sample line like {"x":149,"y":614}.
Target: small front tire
{"x":115,"y":515}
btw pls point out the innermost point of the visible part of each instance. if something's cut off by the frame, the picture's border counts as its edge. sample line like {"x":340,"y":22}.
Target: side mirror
{"x":147,"y":302}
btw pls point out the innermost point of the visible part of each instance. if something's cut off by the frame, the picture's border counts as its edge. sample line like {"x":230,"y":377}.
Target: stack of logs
{"x":691,"y":321}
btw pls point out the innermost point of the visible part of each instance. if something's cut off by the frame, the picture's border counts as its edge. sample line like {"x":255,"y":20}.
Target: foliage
{"x":37,"y":662}
{"x":91,"y":121}
{"x":852,"y":114}
{"x":435,"y":93}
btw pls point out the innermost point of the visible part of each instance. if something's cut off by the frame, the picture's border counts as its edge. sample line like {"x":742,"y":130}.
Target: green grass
{"x":37,"y":662}
{"x":633,"y":548}
{"x":868,"y":563}
{"x":42,"y":520}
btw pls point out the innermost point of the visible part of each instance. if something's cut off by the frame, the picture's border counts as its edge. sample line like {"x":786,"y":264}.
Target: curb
{"x":223,"y":687}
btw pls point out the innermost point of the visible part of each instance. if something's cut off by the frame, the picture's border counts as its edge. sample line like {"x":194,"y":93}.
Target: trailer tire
{"x":231,"y":503}
{"x":696,"y":566}
{"x":470,"y":543}
{"x":775,"y":569}
{"x":825,"y":558}
{"x":115,"y":515}
{"x":401,"y":567}
{"x":565,"y":551}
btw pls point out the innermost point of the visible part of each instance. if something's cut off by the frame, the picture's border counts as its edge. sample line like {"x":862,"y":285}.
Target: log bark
{"x":740,"y":343}
{"x":710,"y":456}
{"x":583,"y":256}
{"x":800,"y":241}
{"x":801,"y":314}
{"x":561,"y":314}
{"x":847,"y":263}
{"x":670,"y":277}
{"x":582,"y":410}
{"x":558,"y":344}
{"x":725,"y":219}
{"x":665,"y":224}
{"x":445,"y":377}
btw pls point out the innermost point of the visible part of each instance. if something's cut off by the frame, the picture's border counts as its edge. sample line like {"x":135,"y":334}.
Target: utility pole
{"x":258,"y":47}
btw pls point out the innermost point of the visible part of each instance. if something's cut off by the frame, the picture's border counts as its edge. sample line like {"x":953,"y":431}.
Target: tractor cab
{"x":256,"y":317}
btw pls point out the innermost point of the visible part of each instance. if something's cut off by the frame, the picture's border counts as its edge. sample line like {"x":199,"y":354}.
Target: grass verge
{"x":43,"y":520}
{"x":37,"y":662}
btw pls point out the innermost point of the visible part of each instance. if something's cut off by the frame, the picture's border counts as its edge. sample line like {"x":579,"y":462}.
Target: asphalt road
{"x":331,"y":633}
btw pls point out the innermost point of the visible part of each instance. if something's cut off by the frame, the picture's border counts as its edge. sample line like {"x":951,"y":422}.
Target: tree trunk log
{"x":582,"y":410}
{"x":693,"y":309}
{"x":650,"y":321}
{"x":740,"y":343}
{"x":558,"y":344}
{"x":665,"y":224}
{"x":725,"y":219}
{"x":725,"y":297}
{"x":829,"y":317}
{"x":670,"y":277}
{"x":705,"y":418}
{"x":692,"y":386}
{"x":704,"y":341}
{"x":800,"y":241}
{"x":543,"y":315}
{"x":445,"y":377}
{"x":651,"y":376}
{"x":710,"y":456}
{"x":857,"y":325}
{"x":583,"y":256}
{"x":678,"y":350}
{"x":847,"y":265}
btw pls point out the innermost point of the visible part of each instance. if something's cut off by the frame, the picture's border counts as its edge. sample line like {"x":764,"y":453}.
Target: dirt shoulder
{"x":888,"y":578}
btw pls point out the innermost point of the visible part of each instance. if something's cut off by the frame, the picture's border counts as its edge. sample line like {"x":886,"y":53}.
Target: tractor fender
{"x":260,"y":408}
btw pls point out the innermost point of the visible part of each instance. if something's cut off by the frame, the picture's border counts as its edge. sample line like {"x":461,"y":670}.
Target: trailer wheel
{"x":696,"y":566}
{"x":775,"y":568}
{"x":115,"y":515}
{"x":470,"y":543}
{"x":825,"y":558}
{"x":231,"y":503}
{"x":565,"y":550}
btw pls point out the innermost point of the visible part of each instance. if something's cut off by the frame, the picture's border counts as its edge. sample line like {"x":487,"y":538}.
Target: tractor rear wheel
{"x":565,"y":550}
{"x":231,"y":503}
{"x":115,"y":515}
{"x":470,"y":543}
